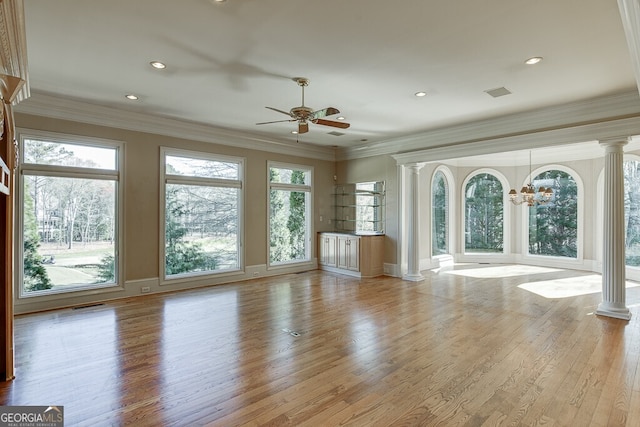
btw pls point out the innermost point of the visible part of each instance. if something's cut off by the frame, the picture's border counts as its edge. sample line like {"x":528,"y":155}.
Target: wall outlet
{"x":145,"y":289}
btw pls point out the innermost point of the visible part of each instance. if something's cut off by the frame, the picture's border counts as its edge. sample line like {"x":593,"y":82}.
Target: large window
{"x":202,"y":204}
{"x":289,"y":214}
{"x":484,"y":213}
{"x":439,"y":215}
{"x":70,"y":214}
{"x":553,"y":227}
{"x":632,"y":212}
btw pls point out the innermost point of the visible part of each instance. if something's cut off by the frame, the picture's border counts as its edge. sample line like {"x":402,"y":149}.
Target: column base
{"x":413,"y":277}
{"x":609,"y":310}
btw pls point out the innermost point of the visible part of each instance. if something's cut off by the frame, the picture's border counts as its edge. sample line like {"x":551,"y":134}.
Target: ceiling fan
{"x":303,"y":114}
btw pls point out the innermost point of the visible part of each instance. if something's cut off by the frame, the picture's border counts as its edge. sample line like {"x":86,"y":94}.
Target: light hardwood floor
{"x":464,"y":347}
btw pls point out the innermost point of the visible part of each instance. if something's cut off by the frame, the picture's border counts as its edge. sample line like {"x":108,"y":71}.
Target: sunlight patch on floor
{"x":568,"y":287}
{"x":501,"y":271}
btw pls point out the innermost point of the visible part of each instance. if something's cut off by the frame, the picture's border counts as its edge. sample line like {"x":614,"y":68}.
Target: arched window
{"x":632,"y":212}
{"x":439,"y":215}
{"x":553,"y":227}
{"x":484,"y":214}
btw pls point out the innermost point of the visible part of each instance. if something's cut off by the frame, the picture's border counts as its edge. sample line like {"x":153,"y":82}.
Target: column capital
{"x":415,"y":166}
{"x":614,"y":142}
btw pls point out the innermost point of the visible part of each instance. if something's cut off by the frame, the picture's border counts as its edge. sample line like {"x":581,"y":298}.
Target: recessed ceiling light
{"x":157,"y":64}
{"x":340,"y":118}
{"x":420,"y":94}
{"x":131,"y":97}
{"x":295,"y":132}
{"x":533,"y":60}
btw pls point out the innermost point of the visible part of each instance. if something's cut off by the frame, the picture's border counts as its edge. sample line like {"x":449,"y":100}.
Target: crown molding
{"x":510,"y":127}
{"x":13,"y":45}
{"x":620,"y":129}
{"x":594,"y":119}
{"x":55,"y":107}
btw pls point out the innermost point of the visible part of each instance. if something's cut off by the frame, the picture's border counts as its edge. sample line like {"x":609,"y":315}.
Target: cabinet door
{"x":343,"y":251}
{"x":353,"y":260}
{"x":328,"y":250}
{"x":348,"y":253}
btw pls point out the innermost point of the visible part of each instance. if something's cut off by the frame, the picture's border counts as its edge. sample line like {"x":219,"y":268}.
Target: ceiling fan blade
{"x":341,"y":125}
{"x":329,"y":111}
{"x":280,"y":111}
{"x":303,"y":127}
{"x":277,"y":121}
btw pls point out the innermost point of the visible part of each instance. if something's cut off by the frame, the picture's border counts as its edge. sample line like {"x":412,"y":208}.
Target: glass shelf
{"x":359,"y":207}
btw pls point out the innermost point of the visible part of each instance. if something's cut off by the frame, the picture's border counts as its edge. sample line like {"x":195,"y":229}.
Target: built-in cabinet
{"x":354,"y":255}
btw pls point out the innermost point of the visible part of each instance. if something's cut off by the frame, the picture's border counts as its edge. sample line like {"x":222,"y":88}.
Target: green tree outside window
{"x":439,"y":220}
{"x":553,"y":227}
{"x":484,"y":213}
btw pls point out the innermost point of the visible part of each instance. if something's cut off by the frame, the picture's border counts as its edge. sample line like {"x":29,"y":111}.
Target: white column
{"x":613,"y":251}
{"x":413,"y":229}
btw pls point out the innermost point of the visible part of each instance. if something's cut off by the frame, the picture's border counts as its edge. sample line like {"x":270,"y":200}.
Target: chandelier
{"x":529,"y":194}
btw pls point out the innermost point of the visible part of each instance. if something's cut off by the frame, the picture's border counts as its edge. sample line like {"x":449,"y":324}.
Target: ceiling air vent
{"x":497,"y":92}
{"x":336,"y":133}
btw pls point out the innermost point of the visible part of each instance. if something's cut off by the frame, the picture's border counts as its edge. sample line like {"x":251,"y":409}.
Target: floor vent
{"x":80,"y":307}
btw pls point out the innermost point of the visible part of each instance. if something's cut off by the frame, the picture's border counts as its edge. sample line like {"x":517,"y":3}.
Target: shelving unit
{"x":359,"y":207}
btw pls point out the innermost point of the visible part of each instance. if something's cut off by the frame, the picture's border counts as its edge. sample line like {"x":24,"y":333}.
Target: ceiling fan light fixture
{"x":305,"y":115}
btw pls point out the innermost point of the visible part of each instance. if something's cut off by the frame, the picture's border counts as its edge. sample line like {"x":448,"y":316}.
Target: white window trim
{"x":535,"y":259}
{"x":506,"y":224}
{"x":308,"y":211}
{"x":451,"y":210}
{"x":631,"y":272}
{"x":60,"y":297}
{"x":200,"y":181}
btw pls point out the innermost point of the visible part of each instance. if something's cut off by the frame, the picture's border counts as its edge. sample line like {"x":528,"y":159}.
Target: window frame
{"x":506,"y":220}
{"x":199,"y":181}
{"x":449,"y":211}
{"x":115,"y":175}
{"x":628,"y":157}
{"x":535,"y":259}
{"x":308,"y":189}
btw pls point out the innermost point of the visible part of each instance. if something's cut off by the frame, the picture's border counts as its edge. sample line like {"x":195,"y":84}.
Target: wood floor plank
{"x":464,"y":347}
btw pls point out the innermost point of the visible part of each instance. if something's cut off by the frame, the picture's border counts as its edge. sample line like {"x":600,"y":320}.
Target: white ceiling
{"x":227,"y":61}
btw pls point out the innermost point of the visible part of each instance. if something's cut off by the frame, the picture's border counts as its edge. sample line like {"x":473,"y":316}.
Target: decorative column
{"x":413,"y":229}
{"x":613,"y":251}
